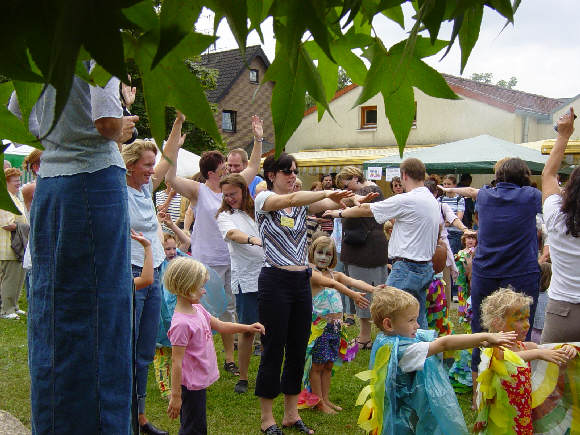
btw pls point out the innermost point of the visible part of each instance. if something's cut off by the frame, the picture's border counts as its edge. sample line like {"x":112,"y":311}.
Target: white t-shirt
{"x":414,"y":357}
{"x":417,"y":217}
{"x":564,"y":252}
{"x":247,"y":260}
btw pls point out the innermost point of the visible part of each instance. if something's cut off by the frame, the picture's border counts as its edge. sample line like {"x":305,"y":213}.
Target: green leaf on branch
{"x":257,"y":12}
{"x":469,"y":32}
{"x":423,"y":47}
{"x":504,"y":7}
{"x":6,"y":202}
{"x":13,"y":128}
{"x":170,"y":83}
{"x":177,"y":20}
{"x":27,"y":93}
{"x":395,"y":14}
{"x":327,"y":71}
{"x":236,"y":13}
{"x":143,"y":15}
{"x":400,"y":110}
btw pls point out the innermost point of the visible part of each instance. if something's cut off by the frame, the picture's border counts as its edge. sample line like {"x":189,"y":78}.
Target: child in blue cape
{"x":409,"y":390}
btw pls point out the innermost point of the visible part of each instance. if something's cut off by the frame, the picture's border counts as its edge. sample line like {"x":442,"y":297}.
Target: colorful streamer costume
{"x":463,"y":288}
{"x":437,"y":314}
{"x":517,"y":398}
{"x":398,"y":403}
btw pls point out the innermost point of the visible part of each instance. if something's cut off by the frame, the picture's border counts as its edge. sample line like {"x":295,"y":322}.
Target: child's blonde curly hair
{"x":184,"y":276}
{"x":496,"y":306}
{"x":388,"y":302}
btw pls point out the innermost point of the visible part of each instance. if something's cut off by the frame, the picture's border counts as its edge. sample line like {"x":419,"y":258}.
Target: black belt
{"x":395,"y":259}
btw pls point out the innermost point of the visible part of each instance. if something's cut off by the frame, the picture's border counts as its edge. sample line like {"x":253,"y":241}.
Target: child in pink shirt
{"x":193,"y":354}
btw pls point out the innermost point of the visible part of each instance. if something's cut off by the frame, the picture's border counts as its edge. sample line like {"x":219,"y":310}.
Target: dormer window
{"x":254,"y":77}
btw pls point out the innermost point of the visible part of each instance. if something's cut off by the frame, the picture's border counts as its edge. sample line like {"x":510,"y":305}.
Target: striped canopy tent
{"x":476,"y":155}
{"x":331,"y":161}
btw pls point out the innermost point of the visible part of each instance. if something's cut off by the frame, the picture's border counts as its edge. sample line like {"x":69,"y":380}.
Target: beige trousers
{"x":11,"y":281}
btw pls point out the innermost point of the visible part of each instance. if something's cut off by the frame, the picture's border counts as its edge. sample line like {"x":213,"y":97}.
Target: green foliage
{"x":488,"y":77}
{"x":43,"y":44}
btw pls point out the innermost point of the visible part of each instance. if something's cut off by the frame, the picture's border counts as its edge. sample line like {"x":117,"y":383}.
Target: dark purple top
{"x":507,"y":240}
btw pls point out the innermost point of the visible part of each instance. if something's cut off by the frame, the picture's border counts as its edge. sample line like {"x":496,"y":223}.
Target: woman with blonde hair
{"x":143,"y":177}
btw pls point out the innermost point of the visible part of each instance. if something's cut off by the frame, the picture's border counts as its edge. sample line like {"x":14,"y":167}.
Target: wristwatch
{"x":250,"y":243}
{"x":340,"y":213}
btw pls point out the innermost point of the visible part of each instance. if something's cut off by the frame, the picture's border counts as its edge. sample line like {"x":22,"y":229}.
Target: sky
{"x":541,"y":49}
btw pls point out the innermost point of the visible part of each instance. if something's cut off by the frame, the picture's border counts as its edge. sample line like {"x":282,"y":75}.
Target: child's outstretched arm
{"x":177,"y":353}
{"x":557,"y":356}
{"x":146,"y":278}
{"x":351,"y":282}
{"x":319,"y":280}
{"x":232,"y":328}
{"x":466,"y":341}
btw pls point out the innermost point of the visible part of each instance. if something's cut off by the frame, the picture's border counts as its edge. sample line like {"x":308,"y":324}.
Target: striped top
{"x":455,"y":203}
{"x":283,"y":234}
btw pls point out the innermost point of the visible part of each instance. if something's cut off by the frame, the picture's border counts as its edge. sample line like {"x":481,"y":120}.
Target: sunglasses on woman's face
{"x":289,"y":171}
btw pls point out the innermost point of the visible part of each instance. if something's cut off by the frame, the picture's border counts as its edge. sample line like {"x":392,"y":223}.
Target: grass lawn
{"x":228,"y":412}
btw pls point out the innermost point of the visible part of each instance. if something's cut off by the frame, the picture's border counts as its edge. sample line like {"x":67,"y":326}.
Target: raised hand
{"x":144,"y":241}
{"x":128,"y":94}
{"x":258,"y":127}
{"x":566,"y":123}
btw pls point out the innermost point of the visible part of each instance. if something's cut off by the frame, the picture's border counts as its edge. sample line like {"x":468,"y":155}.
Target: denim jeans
{"x":414,"y":278}
{"x":79,"y":322}
{"x":147,"y":315}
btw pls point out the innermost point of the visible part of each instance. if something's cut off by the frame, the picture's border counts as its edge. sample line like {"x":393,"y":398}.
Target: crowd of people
{"x":115,"y":266}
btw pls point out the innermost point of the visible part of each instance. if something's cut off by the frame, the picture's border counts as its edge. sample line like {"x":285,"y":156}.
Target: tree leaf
{"x":236,"y":12}
{"x":381,"y":67}
{"x":100,"y":77}
{"x":6,"y":202}
{"x":171,"y":84}
{"x":287,"y":99}
{"x":326,"y":73}
{"x":469,"y":32}
{"x":432,"y":14}
{"x":257,"y":12}
{"x":27,"y":93}
{"x":504,"y":7}
{"x":177,"y":20}
{"x":143,"y":15}
{"x":400,"y":110}
{"x":423,"y":47}
{"x":395,"y":14}
{"x":422,"y":76}
{"x":11,"y":127}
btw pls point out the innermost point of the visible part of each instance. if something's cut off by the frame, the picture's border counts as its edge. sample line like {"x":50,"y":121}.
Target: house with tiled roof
{"x":508,"y":114}
{"x":240,"y":93}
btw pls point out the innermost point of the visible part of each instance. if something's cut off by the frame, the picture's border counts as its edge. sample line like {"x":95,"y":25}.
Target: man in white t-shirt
{"x":415,"y":231}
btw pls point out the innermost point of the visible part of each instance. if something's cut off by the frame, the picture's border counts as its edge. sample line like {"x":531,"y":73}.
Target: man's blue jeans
{"x":147,"y":315}
{"x":79,"y":323}
{"x":414,"y":278}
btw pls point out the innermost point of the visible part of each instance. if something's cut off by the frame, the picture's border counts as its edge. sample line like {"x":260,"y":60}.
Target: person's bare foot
{"x":333,"y":406}
{"x":322,"y":406}
{"x":474,"y":401}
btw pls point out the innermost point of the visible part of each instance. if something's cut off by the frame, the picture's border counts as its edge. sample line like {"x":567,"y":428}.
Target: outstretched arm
{"x":351,"y":282}
{"x":256,"y":157}
{"x":470,"y":192}
{"x":232,"y":328}
{"x":301,"y":198}
{"x":466,"y":341}
{"x":363,"y":210}
{"x":550,"y":173}
{"x":171,"y":148}
{"x":319,"y":280}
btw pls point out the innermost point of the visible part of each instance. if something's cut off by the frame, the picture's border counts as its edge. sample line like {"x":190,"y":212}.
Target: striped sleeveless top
{"x":283,"y":234}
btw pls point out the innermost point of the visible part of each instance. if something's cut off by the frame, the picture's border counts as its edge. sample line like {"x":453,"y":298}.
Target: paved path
{"x":10,"y":425}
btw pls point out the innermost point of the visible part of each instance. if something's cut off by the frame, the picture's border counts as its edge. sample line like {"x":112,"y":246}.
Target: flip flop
{"x":272,"y":430}
{"x":299,"y":425}
{"x":364,"y":345}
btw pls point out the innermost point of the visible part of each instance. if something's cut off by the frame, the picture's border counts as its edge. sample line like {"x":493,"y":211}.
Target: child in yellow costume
{"x":505,"y":391}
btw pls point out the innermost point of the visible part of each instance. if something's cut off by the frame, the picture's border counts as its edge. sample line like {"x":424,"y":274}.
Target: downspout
{"x":525,"y":129}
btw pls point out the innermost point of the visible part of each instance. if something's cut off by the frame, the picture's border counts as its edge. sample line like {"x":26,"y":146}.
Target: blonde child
{"x":327,"y":332}
{"x":194,"y":360}
{"x":410,"y":389}
{"x":507,"y":310}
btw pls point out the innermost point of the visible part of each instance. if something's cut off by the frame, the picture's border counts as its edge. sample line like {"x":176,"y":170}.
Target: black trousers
{"x":285,"y":310}
{"x":192,"y":415}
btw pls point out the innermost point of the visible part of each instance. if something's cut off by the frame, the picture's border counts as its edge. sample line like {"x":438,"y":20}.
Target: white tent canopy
{"x":187,"y":163}
{"x":21,"y":150}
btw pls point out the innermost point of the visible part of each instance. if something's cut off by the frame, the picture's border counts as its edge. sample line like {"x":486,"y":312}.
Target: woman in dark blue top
{"x":507,"y":248}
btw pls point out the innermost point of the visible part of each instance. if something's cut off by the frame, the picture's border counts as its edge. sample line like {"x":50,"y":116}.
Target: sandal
{"x":362,"y":345}
{"x":272,"y":430}
{"x":300,"y":426}
{"x":232,"y":368}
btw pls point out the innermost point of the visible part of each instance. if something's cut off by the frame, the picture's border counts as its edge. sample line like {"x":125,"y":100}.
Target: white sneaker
{"x":12,"y":316}
{"x":21,"y":313}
